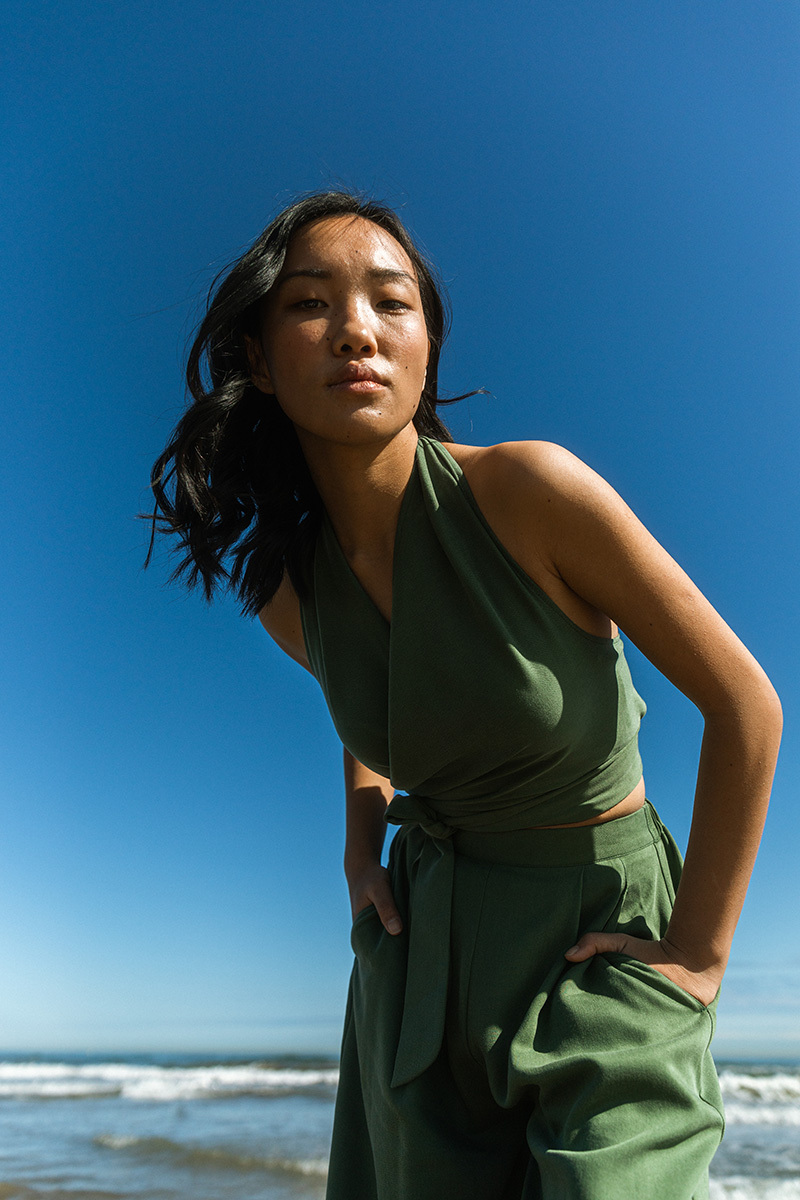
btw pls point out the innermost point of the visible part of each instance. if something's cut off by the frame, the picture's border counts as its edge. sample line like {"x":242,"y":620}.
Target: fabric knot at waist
{"x":416,"y":810}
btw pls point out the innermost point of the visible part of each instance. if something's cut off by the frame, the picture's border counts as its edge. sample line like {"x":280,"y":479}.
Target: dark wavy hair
{"x":232,"y":484}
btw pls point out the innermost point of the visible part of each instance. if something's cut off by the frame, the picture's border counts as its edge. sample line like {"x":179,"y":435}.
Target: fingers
{"x":703,"y":984}
{"x":383,"y":900}
{"x":375,"y":889}
{"x":598,"y":943}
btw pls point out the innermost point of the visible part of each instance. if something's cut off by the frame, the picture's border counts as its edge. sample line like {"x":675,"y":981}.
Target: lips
{"x":354,"y":374}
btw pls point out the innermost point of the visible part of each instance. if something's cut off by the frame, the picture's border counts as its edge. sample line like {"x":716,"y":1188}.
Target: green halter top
{"x":481,"y":696}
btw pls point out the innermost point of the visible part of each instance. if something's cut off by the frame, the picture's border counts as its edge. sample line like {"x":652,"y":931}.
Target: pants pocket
{"x":363,"y":918}
{"x":644,"y":973}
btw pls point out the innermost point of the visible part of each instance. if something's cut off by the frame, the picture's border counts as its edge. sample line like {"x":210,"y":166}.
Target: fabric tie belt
{"x":428,"y":968}
{"x":427,"y":972}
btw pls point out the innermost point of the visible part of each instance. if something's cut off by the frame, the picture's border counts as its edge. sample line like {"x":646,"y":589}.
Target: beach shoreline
{"x":163,"y":1126}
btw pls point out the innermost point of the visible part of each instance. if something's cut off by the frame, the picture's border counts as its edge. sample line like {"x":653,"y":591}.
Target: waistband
{"x":576,"y":847}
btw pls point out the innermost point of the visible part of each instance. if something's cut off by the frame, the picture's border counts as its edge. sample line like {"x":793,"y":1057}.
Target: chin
{"x":364,"y":427}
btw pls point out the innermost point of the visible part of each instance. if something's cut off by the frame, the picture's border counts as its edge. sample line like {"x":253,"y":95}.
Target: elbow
{"x":766,"y":701}
{"x":775,"y":711}
{"x":749,"y":702}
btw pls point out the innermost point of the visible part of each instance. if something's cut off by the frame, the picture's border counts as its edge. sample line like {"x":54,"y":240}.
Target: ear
{"x":259,"y":372}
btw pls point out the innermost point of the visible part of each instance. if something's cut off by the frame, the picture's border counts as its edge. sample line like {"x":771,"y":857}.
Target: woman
{"x":532,"y":999}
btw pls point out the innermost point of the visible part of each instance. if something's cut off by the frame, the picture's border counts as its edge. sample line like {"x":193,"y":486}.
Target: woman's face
{"x":343,"y":343}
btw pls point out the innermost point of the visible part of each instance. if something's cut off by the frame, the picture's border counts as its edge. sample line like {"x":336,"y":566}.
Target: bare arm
{"x":367,"y":793}
{"x":596,"y":547}
{"x":282,"y":621}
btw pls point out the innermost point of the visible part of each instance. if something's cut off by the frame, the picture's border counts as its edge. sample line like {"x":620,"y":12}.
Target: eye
{"x":393,"y":305}
{"x":307,"y":305}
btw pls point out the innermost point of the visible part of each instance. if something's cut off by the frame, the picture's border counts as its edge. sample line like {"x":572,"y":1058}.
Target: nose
{"x":355,"y":334}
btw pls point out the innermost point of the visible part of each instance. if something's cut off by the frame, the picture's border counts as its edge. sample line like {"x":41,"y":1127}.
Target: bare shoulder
{"x":582,"y":543}
{"x":532,"y":470}
{"x":282,"y":621}
{"x":532,"y":492}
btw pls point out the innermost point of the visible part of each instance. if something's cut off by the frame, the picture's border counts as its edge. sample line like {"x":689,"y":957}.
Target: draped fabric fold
{"x":429,"y":940}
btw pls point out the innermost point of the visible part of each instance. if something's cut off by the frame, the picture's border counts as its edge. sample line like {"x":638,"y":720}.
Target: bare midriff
{"x":631,"y":804}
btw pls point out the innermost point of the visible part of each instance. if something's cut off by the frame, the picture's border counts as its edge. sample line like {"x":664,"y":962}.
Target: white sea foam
{"x":38,"y":1080}
{"x":762,"y":1114}
{"x":761,"y":1098}
{"x":780,"y":1088}
{"x":754,"y":1189}
{"x":757,"y":1097}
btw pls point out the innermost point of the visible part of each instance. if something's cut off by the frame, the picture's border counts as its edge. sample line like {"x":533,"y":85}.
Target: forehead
{"x":345,"y":243}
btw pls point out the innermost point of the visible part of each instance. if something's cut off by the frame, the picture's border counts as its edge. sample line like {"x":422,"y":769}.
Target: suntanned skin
{"x":566,"y":528}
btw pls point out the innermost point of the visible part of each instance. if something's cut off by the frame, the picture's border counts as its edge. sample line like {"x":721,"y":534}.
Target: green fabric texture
{"x":482,"y":695}
{"x":552,"y":1081}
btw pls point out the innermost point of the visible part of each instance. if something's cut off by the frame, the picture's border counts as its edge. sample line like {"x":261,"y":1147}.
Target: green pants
{"x":479,"y":1064}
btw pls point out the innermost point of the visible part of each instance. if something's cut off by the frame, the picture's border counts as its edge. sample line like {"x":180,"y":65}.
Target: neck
{"x":362,"y":487}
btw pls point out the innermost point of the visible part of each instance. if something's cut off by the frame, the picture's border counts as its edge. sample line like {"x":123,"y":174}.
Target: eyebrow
{"x":380,"y":274}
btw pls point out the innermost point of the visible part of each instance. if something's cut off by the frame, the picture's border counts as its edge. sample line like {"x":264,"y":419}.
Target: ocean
{"x":160,"y":1127}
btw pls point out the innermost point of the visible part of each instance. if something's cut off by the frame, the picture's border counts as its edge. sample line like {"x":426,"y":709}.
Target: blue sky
{"x":610,"y":191}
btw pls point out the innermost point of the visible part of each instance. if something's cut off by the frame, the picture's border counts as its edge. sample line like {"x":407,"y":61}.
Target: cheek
{"x":289,"y":350}
{"x":411,"y":348}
